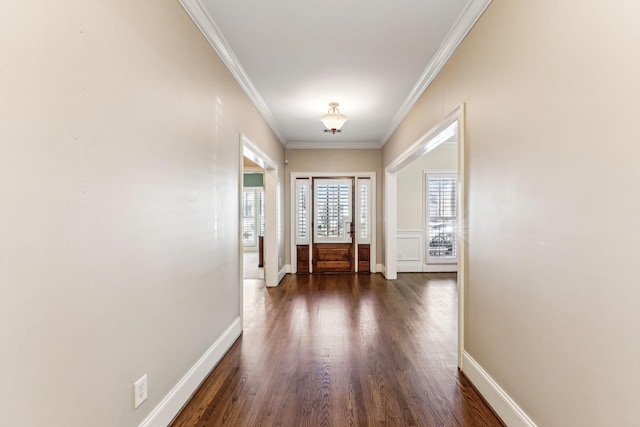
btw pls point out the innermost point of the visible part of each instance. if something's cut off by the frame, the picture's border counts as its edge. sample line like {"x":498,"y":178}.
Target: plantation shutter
{"x":364,"y":210}
{"x":441,"y":217}
{"x":302,"y":211}
{"x":332,"y":213}
{"x":248,"y":218}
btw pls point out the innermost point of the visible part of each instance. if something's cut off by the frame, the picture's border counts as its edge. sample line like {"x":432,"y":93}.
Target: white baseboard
{"x":440,"y":268}
{"x":418,"y":267}
{"x":173,"y":402}
{"x":511,"y":414}
{"x":285,"y":269}
{"x":380,"y":268}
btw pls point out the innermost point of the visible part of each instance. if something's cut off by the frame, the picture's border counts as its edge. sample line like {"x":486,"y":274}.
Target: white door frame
{"x":423,"y":145}
{"x":271,"y":244}
{"x":293,"y":215}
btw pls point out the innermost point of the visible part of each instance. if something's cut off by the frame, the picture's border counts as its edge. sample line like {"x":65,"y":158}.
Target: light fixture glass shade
{"x":333,"y":120}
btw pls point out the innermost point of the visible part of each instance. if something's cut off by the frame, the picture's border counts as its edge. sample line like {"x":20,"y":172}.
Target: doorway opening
{"x":267,"y":222}
{"x":449,"y":130}
{"x":333,"y":222}
{"x":252,"y":220}
{"x":427,"y":208}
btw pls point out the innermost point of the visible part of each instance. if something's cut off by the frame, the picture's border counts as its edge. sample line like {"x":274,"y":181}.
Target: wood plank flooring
{"x":343,"y":350}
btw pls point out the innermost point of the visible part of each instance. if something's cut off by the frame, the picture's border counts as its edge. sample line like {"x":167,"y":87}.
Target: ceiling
{"x":374,"y":57}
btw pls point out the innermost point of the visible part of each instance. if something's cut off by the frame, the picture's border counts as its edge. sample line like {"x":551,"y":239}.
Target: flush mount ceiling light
{"x":333,"y":120}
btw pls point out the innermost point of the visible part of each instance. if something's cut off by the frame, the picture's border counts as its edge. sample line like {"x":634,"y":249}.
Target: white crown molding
{"x":467,"y":19}
{"x":324,"y":145}
{"x":211,"y":32}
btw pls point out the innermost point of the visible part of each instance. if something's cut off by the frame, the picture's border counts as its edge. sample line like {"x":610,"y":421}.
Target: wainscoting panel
{"x":411,"y":256}
{"x":410,"y":250}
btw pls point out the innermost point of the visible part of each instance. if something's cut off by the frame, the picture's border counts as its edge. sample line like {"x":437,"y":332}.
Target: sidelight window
{"x":364,"y":210}
{"x":303,"y":203}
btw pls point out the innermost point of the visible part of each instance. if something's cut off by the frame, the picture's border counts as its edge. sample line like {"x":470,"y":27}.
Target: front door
{"x":333,"y":242}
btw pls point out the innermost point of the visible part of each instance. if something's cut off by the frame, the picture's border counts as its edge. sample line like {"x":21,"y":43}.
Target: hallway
{"x":339,"y":350}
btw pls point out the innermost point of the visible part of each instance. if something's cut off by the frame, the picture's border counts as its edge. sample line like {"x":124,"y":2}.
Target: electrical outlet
{"x":140,"y":391}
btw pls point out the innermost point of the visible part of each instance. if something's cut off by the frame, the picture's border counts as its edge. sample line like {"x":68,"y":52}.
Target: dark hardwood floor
{"x":343,"y":350}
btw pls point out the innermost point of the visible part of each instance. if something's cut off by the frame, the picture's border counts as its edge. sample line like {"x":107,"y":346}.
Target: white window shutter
{"x":303,"y":203}
{"x":248,"y":217}
{"x":332,"y":210}
{"x":441,"y":217}
{"x":364,"y":210}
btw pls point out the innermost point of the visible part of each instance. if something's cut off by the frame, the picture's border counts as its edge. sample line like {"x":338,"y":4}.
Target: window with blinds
{"x":441,"y":217}
{"x":302,"y":211}
{"x":332,"y":210}
{"x":252,"y":215}
{"x":364,"y":210}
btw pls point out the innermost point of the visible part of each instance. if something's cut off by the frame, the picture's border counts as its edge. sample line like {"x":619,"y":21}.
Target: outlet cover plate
{"x":140,"y":391}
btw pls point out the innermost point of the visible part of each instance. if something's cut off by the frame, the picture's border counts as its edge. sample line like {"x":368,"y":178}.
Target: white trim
{"x":390,"y":224}
{"x":198,"y":13}
{"x":173,"y":402}
{"x":293,"y":215}
{"x":332,"y":174}
{"x":241,"y":150}
{"x":251,"y":151}
{"x":439,"y":268}
{"x":461,"y":232}
{"x":508,"y":410}
{"x":380,"y":268}
{"x":283,"y":272}
{"x":466,"y":20}
{"x":326,"y":145}
{"x":427,"y":142}
{"x":373,"y":245}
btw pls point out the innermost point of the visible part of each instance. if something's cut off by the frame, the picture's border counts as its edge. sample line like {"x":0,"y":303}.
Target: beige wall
{"x":410,"y":183}
{"x":551,"y":91}
{"x":119,"y":180}
{"x":302,"y":160}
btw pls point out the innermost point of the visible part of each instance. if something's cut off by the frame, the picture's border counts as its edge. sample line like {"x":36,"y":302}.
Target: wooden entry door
{"x":333,"y":242}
